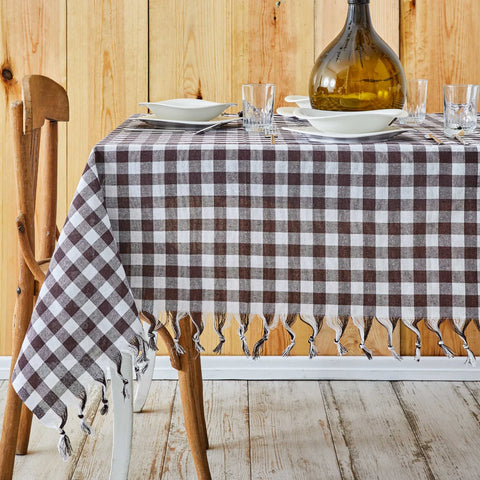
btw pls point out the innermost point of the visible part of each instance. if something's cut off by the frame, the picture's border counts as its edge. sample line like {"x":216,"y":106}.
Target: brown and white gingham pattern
{"x":229,"y":222}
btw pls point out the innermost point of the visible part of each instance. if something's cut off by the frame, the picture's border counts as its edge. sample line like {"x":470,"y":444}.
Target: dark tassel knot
{"x":258,"y":347}
{"x":104,"y":409}
{"x":152,"y":342}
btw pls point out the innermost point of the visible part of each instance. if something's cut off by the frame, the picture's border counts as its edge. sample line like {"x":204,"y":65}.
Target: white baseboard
{"x":4,"y":367}
{"x":318,"y":368}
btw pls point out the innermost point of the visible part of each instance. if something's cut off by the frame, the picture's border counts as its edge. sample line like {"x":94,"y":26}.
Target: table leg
{"x":197,"y":373}
{"x":188,"y":379}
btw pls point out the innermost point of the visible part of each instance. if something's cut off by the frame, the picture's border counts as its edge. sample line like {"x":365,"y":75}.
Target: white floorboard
{"x":282,"y":430}
{"x":445,"y":419}
{"x":289,"y":433}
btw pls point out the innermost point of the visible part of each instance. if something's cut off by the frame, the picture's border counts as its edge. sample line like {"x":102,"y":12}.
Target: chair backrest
{"x":43,"y":100}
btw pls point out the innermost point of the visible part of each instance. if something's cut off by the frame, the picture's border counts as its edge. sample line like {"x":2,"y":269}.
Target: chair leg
{"x":189,"y":391}
{"x":198,"y":381}
{"x":143,"y":384}
{"x":13,"y":406}
{"x":122,"y":419}
{"x":24,"y":431}
{"x":11,"y":421}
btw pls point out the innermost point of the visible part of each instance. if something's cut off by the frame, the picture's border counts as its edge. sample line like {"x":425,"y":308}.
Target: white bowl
{"x":187,"y":109}
{"x":349,"y":122}
{"x":301,"y":100}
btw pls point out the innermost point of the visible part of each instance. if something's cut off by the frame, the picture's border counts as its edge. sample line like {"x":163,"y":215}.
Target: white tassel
{"x":270,"y":321}
{"x":243,"y":320}
{"x":219,"y":323}
{"x":418,"y":346}
{"x":412,"y":325}
{"x":366,"y":351}
{"x":390,"y":325}
{"x":313,"y":352}
{"x":178,"y":348}
{"x":341,"y":350}
{"x":363,"y":326}
{"x":338,"y":324}
{"x":471,"y":360}
{"x":287,"y":351}
{"x":198,"y":347}
{"x":243,"y":338}
{"x":287,"y":322}
{"x":84,"y":426}
{"x":177,"y":331}
{"x":448,"y":353}
{"x":64,"y":446}
{"x":197,"y":320}
{"x":394,"y":353}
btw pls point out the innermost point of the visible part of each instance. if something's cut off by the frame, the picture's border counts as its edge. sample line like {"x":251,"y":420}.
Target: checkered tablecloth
{"x":228,"y":222}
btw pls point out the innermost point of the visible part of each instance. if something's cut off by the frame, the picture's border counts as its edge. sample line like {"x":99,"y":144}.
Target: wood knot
{"x":7,"y":74}
{"x":21,"y":229}
{"x":199,"y":94}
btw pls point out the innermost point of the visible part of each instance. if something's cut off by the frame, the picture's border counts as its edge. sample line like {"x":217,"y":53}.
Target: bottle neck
{"x":359,"y":14}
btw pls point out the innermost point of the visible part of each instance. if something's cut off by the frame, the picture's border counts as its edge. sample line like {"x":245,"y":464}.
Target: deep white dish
{"x":187,"y":109}
{"x":153,"y":120}
{"x":334,"y":137}
{"x":349,"y":122}
{"x":301,"y":100}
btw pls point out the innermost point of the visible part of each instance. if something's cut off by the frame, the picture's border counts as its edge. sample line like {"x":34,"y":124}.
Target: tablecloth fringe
{"x":221,"y":320}
{"x":338,"y":323}
{"x":139,"y":346}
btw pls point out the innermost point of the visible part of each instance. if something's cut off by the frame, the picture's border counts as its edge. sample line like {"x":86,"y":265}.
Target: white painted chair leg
{"x":122,"y":419}
{"x":143,"y":385}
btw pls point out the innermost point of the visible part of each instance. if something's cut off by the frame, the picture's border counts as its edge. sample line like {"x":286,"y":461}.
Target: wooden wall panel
{"x":32,"y":40}
{"x":273,"y":45}
{"x":113,"y":54}
{"x":194,"y":59}
{"x":217,"y":45}
{"x":440,"y":42}
{"x":107,"y":61}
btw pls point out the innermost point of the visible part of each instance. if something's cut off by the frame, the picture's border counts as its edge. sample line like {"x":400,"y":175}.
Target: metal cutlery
{"x":152,"y":130}
{"x":272,"y":133}
{"x":459,"y":137}
{"x":433,"y":137}
{"x":215,"y":125}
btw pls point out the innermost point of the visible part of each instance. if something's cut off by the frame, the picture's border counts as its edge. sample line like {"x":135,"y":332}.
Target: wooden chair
{"x":44,"y":99}
{"x":45,"y":104}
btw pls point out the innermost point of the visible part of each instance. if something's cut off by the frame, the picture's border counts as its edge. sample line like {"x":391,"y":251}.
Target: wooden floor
{"x":288,"y":430}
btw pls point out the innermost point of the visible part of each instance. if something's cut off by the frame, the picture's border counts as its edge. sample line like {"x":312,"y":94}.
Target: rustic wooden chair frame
{"x":44,"y":99}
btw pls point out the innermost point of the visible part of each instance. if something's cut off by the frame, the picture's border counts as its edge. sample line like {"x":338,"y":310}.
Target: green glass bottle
{"x":358,"y":70}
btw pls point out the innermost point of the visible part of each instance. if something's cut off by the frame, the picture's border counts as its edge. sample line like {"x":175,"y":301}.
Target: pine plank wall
{"x":112,"y":54}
